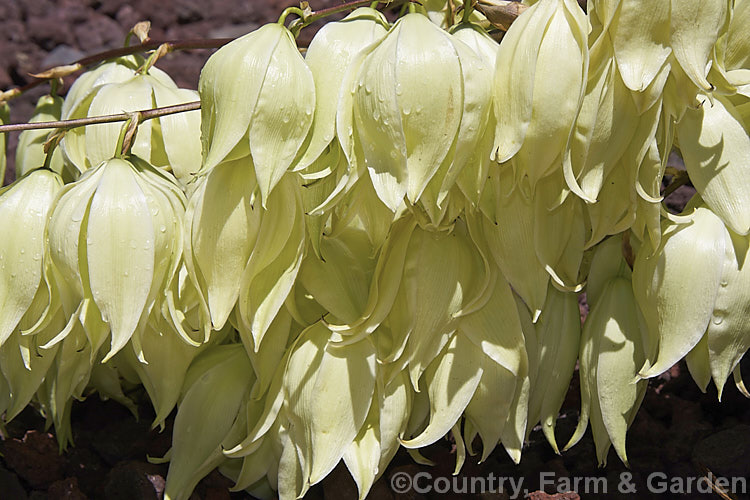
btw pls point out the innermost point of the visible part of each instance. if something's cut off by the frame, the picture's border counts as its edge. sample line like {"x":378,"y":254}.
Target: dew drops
{"x":724,"y":283}
{"x":163,"y":229}
{"x":718,"y":317}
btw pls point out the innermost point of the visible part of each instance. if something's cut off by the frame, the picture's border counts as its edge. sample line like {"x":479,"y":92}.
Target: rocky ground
{"x":678,"y":432}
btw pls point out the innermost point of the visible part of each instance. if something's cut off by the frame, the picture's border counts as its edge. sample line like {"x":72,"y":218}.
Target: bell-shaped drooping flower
{"x":328,"y":390}
{"x":172,"y":141}
{"x":24,"y":207}
{"x":507,"y":223}
{"x":379,"y":437}
{"x":605,"y":126}
{"x":238,"y":252}
{"x":167,"y":358}
{"x":540,"y":80}
{"x":421,"y":102}
{"x":715,"y":145}
{"x":118,"y":70}
{"x":695,"y":27}
{"x":210,"y":416}
{"x":23,"y":363}
{"x":676,"y":287}
{"x":66,"y":379}
{"x":258,"y":98}
{"x":115,"y":238}
{"x":611,"y":352}
{"x":424,"y":281}
{"x":25,"y":293}
{"x":482,"y":372}
{"x":641,"y":42}
{"x":709,"y":325}
{"x":552,"y":345}
{"x":30,"y":150}
{"x":329,"y":56}
{"x":471,"y":180}
{"x":321,"y":397}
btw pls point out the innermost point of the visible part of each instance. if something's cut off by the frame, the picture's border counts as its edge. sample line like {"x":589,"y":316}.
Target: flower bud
{"x":264,"y":70}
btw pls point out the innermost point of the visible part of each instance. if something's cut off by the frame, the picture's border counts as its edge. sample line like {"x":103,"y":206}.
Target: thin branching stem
{"x":145,"y":114}
{"x":60,"y":71}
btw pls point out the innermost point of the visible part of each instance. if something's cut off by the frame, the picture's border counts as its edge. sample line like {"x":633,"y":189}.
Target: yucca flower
{"x":707,"y":316}
{"x":238,"y":252}
{"x":714,"y":142}
{"x":25,"y":293}
{"x":30,"y":150}
{"x":420,"y":101}
{"x":265,"y":71}
{"x":481,"y":372}
{"x":171,"y":141}
{"x":218,"y":381}
{"x":540,"y":80}
{"x":115,"y":238}
{"x":612,"y":352}
{"x":329,"y":56}
{"x":552,"y":344}
{"x":24,"y":207}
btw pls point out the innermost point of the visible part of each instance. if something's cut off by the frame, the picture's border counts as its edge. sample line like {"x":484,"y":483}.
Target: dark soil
{"x":678,"y":432}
